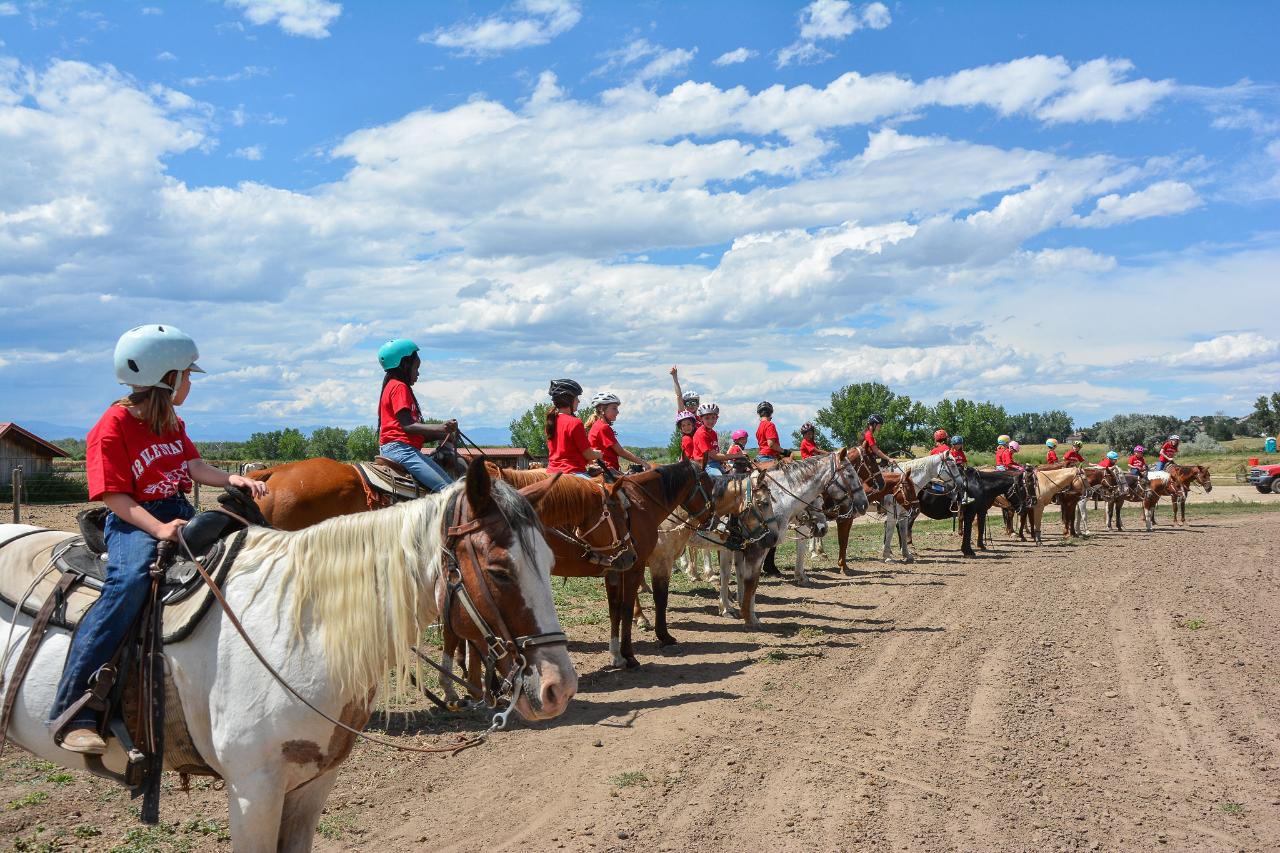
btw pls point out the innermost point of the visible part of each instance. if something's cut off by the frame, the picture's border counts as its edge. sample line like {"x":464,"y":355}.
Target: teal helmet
{"x":392,"y":353}
{"x":1112,"y":455}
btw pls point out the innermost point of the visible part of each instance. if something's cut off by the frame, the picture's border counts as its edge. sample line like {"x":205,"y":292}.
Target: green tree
{"x":264,"y":445}
{"x":362,"y":443}
{"x":529,"y":430}
{"x":328,"y":441}
{"x":819,"y":438}
{"x":1035,"y":427}
{"x":978,"y":423}
{"x":846,"y":417}
{"x":1266,"y":414}
{"x":293,"y":444}
{"x":1123,"y":431}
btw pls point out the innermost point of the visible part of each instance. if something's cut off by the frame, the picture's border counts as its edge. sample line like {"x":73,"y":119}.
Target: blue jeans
{"x":763,"y":458}
{"x":423,"y":468}
{"x":131,"y":552}
{"x":1137,"y":472}
{"x":1160,"y":465}
{"x":714,"y":469}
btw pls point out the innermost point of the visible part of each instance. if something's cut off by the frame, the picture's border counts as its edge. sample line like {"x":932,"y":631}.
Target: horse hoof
{"x":666,"y":640}
{"x":619,"y":662}
{"x":729,"y":613}
{"x":968,"y":554}
{"x":909,"y":560}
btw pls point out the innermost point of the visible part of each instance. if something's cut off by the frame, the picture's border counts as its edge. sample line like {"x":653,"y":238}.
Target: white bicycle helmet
{"x":144,"y":354}
{"x":708,"y":409}
{"x":604,"y":399}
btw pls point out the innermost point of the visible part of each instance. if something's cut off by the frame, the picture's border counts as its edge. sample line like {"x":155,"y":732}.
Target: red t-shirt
{"x":1073,"y":455}
{"x":1050,"y":457}
{"x":686,"y":445}
{"x":765,"y":431}
{"x":1168,"y":450}
{"x":1106,"y":462}
{"x":942,"y":448}
{"x":704,"y":440}
{"x":1137,"y":460}
{"x":869,"y":438}
{"x":807,"y":448}
{"x":958,"y":455}
{"x":735,"y":449}
{"x":603,"y":438}
{"x":396,"y":397}
{"x":564,"y":451}
{"x":1004,"y":456}
{"x":123,"y":455}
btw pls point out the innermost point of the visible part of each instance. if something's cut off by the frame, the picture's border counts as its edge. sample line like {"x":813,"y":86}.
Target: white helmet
{"x":604,"y":399}
{"x":1174,"y":438}
{"x":144,"y":354}
{"x":708,"y":409}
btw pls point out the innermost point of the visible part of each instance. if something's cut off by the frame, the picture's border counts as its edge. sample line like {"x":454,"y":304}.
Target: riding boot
{"x":770,"y":567}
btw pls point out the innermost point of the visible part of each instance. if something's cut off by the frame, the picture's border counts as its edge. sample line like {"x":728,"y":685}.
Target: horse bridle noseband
{"x":602,"y":555}
{"x":840,"y":480}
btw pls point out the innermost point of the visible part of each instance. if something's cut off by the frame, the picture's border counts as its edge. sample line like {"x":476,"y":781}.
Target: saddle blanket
{"x":1157,"y":476}
{"x":35,"y":563}
{"x":380,"y":478}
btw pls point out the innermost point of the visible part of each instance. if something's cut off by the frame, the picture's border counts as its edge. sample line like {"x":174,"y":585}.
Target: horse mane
{"x":365,"y":581}
{"x":800,"y":470}
{"x":568,"y":501}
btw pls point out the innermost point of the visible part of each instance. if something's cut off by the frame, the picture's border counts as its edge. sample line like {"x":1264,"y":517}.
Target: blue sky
{"x":1044,"y":207}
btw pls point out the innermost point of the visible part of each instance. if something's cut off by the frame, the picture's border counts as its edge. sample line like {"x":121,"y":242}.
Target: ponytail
{"x":557,"y":401}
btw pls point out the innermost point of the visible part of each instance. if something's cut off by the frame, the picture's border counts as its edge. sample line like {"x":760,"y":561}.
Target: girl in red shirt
{"x":601,"y":436}
{"x":567,"y":448}
{"x":1052,"y":456}
{"x":957,"y":451}
{"x":1138,"y":461}
{"x":686,"y":424}
{"x":1074,"y":456}
{"x":401,"y":432}
{"x":940,"y":445}
{"x":1004,"y":456}
{"x":706,"y":443}
{"x":141,"y":464}
{"x":807,"y":446}
{"x":869,"y":438}
{"x":767,"y":434}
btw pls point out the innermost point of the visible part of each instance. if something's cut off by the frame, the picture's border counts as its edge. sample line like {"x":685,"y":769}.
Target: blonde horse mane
{"x":364,"y":581}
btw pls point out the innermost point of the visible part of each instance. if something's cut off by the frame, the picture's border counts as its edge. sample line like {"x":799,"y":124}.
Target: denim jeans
{"x":714,"y":469}
{"x":130,"y":554}
{"x":423,"y":468}
{"x":1160,"y":465}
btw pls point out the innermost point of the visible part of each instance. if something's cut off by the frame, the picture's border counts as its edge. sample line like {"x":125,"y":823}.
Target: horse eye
{"x":500,"y":573}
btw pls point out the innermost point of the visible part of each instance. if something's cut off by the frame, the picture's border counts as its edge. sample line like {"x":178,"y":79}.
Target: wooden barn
{"x":19,"y":447}
{"x":503,"y":457}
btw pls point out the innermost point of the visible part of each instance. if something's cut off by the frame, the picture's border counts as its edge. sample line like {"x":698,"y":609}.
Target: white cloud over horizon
{"x":508,"y":239}
{"x":307,"y":18}
{"x":830,"y":20}
{"x":537,"y":22}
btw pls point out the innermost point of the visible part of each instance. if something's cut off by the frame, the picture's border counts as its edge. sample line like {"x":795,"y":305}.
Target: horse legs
{"x":1007,"y":513}
{"x":966,"y":527}
{"x":842,"y":540}
{"x":890,"y":521}
{"x":630,"y":589}
{"x":904,"y":538}
{"x":613,"y":589}
{"x":748,"y":572}
{"x":1037,"y":518}
{"x":801,"y":578}
{"x":255,"y":803}
{"x":661,"y":590}
{"x":302,"y":807}
{"x":727,"y":609}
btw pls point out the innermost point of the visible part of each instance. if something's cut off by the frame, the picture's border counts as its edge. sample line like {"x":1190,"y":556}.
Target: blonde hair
{"x":365,"y":582}
{"x":156,"y":404}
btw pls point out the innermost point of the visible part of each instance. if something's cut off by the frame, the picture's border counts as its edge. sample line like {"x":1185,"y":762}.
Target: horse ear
{"x":535,"y":492}
{"x":479,"y":486}
{"x":844,"y":451}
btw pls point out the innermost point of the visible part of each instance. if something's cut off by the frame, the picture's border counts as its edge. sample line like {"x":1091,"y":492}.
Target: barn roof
{"x":13,"y":432}
{"x":498,"y":452}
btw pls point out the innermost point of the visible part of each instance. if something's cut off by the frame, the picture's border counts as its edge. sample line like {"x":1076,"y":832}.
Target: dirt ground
{"x":1117,"y":694}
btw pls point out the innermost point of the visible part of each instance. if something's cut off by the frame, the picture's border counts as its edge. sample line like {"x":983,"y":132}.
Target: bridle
{"x":840,"y":480}
{"x":605,"y":556}
{"x":498,"y":646}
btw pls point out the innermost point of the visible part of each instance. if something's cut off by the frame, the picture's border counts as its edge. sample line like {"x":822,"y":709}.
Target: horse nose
{"x":556,"y":692}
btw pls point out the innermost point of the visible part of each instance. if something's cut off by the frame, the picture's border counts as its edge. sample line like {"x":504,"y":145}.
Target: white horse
{"x":796,"y":487}
{"x":333,"y":608}
{"x":922,"y":471}
{"x":843,"y":496}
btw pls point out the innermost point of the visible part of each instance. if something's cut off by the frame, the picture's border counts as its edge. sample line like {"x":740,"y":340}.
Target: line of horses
{"x":334,"y":593}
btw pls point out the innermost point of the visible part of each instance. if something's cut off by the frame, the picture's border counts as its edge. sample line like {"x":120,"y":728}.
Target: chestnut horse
{"x":652,"y":496}
{"x":1176,"y":485}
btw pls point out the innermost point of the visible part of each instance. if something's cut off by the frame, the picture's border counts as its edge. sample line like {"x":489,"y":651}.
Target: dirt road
{"x":1122,"y":694}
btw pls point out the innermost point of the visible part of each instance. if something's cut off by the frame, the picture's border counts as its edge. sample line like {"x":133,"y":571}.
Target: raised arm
{"x":675,"y":379}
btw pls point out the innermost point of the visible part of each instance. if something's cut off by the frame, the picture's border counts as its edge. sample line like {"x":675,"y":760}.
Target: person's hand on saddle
{"x":257,"y":488}
{"x":168,"y":532}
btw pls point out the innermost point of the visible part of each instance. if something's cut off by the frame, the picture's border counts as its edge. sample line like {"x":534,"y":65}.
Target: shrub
{"x":48,"y":488}
{"x":1204,"y":443}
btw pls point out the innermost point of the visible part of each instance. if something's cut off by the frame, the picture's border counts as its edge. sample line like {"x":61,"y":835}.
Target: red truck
{"x":1265,"y":478}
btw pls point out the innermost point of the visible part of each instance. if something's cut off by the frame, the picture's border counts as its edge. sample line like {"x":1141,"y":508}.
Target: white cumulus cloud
{"x":1164,"y":198}
{"x":249,"y":152}
{"x":309,"y":18}
{"x":1227,"y":352}
{"x":536,"y":22}
{"x":733,"y":57}
{"x":830,"y":20}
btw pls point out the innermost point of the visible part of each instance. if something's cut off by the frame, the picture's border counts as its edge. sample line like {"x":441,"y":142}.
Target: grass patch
{"x":32,"y":799}
{"x":812,"y":632}
{"x":60,"y":778}
{"x":35,"y":844}
{"x":86,"y":830}
{"x":629,"y":779}
{"x":1232,"y":808}
{"x":332,"y":826}
{"x":775,"y":656}
{"x":208,"y":827}
{"x":1193,"y":624}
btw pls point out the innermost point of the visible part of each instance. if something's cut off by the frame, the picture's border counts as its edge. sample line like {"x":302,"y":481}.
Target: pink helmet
{"x":685,"y":414}
{"x":1139,"y":449}
{"x":738,"y":433}
{"x":1014,"y":446}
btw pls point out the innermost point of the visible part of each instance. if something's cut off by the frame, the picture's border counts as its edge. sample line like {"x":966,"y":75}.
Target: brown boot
{"x":85,"y":741}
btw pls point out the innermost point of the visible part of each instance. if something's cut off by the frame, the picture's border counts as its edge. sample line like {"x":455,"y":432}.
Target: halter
{"x":497,"y":646}
{"x":848,"y":491}
{"x":602,"y":555}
